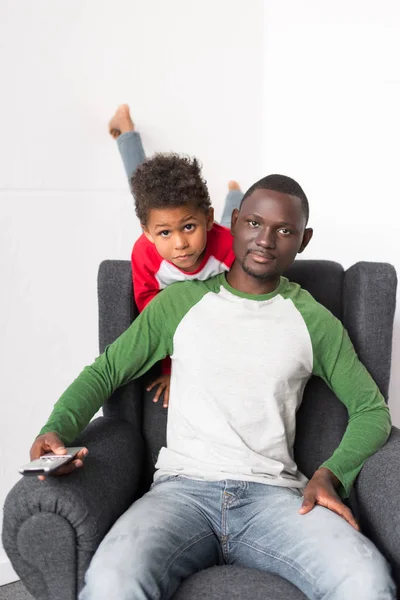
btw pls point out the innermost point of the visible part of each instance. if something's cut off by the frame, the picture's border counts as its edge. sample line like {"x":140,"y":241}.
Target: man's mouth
{"x":261,"y":257}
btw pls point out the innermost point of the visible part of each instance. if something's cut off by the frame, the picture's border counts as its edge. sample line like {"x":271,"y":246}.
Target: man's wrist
{"x":326,"y":475}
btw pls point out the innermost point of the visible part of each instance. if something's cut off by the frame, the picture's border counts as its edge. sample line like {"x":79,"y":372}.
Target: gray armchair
{"x":51,"y":530}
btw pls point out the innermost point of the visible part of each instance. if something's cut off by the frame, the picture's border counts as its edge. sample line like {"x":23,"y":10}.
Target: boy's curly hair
{"x":168,"y":181}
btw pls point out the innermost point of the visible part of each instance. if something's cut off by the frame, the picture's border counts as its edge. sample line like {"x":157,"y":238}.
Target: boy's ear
{"x":308,"y":233}
{"x":210,"y":218}
{"x":147,"y":233}
{"x":234,"y":218}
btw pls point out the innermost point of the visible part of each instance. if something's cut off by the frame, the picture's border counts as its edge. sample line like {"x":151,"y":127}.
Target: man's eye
{"x":164,"y":233}
{"x":285,"y":231}
{"x":189,"y":227}
{"x":254,"y":224}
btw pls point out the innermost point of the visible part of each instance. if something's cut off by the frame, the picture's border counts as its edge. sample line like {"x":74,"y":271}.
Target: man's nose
{"x":266,"y":238}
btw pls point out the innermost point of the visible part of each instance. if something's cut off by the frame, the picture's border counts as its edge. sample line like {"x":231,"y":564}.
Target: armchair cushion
{"x":230,"y":583}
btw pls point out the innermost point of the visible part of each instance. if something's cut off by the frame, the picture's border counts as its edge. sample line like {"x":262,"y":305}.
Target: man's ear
{"x":234,"y":218}
{"x":308,"y":233}
{"x":210,"y":218}
{"x":147,"y":233}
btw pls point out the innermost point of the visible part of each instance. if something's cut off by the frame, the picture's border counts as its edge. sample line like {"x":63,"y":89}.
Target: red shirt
{"x":151,"y":273}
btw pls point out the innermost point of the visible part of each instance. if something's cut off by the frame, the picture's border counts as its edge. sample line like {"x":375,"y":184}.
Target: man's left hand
{"x":321,"y":490}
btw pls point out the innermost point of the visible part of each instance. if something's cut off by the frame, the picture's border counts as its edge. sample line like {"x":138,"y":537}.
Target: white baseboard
{"x":7,"y":573}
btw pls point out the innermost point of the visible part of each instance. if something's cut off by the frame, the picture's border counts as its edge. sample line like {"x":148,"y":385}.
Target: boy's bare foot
{"x":121,"y":122}
{"x":233,"y":185}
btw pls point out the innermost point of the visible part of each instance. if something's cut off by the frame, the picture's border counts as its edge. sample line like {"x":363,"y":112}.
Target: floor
{"x":14,"y":591}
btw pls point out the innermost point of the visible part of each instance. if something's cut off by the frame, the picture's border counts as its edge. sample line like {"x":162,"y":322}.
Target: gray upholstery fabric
{"x":74,"y":513}
{"x":378,"y":495}
{"x":231,"y":583}
{"x":15,"y":591}
{"x":57,"y":570}
{"x":116,"y":312}
{"x":368,"y":312}
{"x":60,"y":523}
{"x":323,"y":279}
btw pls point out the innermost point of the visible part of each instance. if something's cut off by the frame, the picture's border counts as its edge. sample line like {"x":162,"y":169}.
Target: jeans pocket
{"x":164,"y":479}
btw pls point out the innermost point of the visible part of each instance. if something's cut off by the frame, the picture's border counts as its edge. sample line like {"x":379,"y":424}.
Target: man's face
{"x":269,"y":230}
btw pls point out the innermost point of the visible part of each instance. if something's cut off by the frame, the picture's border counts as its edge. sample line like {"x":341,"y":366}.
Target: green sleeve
{"x":336,"y":362}
{"x":146,"y":341}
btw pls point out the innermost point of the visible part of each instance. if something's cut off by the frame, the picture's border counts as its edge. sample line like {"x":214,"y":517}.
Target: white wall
{"x":332,"y":121}
{"x":192,"y":73}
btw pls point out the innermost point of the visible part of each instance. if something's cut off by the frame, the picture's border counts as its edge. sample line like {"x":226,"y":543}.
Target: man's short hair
{"x":168,"y":181}
{"x":283,"y":184}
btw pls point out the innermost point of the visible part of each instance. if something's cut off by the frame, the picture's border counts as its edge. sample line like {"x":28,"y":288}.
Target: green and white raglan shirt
{"x":239,"y":367}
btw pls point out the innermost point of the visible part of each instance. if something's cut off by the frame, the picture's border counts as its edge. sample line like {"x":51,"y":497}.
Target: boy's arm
{"x":146,"y":341}
{"x":145,"y":284}
{"x":336,"y":361}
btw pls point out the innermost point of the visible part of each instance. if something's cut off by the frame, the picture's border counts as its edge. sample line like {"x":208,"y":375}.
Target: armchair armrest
{"x":378,"y":497}
{"x":52,"y":529}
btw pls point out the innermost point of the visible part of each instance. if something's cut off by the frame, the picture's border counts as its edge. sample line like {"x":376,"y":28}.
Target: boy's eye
{"x":253,"y":224}
{"x":164,"y":233}
{"x":189,"y":227}
{"x":285,"y":231}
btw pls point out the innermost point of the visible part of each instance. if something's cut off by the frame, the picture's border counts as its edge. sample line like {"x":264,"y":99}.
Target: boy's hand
{"x":321,"y":490}
{"x":163,"y":383}
{"x":50,"y":442}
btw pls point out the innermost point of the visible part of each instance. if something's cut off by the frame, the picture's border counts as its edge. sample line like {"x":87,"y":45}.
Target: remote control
{"x":48,"y":463}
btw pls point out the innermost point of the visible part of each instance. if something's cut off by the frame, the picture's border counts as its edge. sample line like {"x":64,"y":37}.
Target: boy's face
{"x":269,"y":230}
{"x":180,"y":234}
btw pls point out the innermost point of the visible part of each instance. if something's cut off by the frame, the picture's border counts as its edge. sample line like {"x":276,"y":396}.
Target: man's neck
{"x":248,"y":284}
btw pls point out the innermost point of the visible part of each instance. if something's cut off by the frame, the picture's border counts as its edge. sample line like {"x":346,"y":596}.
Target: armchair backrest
{"x":363,"y":297}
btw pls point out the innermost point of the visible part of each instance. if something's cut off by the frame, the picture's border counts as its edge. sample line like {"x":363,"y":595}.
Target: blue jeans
{"x":183,"y":525}
{"x":132,"y":153}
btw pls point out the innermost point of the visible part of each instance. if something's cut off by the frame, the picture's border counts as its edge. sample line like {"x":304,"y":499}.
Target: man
{"x":227,"y":489}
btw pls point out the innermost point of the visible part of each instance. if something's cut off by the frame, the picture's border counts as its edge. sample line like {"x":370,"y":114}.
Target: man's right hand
{"x":50,"y":442}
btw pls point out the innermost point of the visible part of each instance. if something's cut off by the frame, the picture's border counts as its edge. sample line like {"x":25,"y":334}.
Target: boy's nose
{"x":180,"y":242}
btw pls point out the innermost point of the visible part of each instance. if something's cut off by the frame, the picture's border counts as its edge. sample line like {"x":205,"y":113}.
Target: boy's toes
{"x":121,"y":122}
{"x":233,"y":185}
